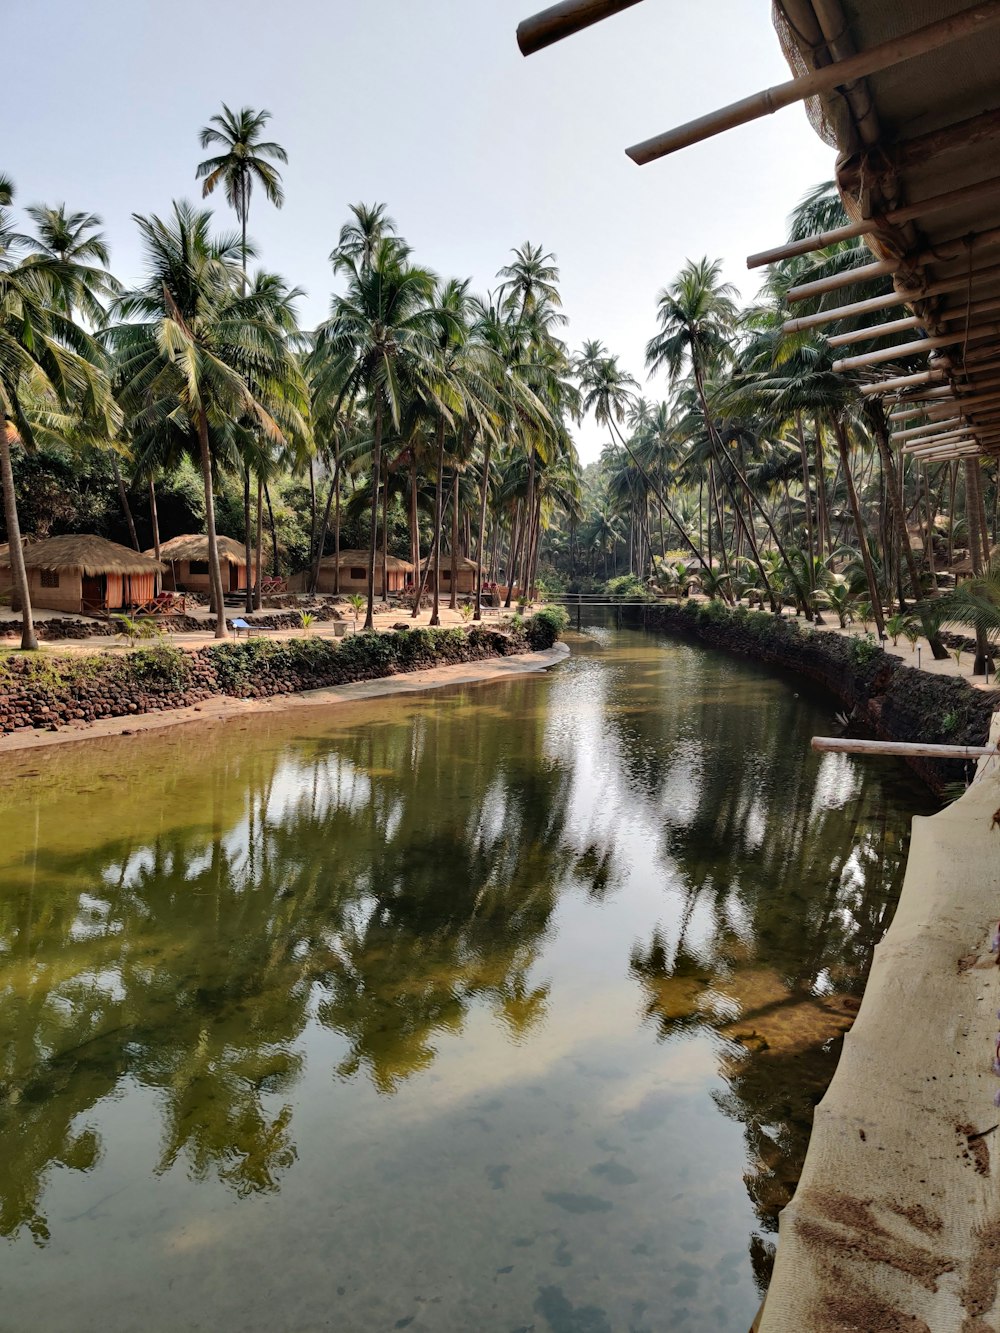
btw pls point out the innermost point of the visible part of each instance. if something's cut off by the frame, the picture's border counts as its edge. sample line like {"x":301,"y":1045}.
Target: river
{"x":499,"y":1007}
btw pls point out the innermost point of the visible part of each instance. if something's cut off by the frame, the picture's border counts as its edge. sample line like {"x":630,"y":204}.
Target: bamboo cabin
{"x":185,"y":559}
{"x":85,"y":574}
{"x":354,"y":573}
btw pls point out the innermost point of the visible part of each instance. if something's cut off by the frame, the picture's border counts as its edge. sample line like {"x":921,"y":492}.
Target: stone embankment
{"x":43,"y":691}
{"x":877,"y":691}
{"x":275,"y":614}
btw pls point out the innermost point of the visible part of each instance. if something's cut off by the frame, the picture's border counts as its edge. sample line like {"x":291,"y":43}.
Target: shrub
{"x":864,"y":649}
{"x":162,"y":668}
{"x":545,"y":626}
{"x":626,"y":587}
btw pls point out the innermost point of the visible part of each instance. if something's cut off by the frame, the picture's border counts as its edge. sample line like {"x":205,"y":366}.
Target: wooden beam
{"x":963,"y":134}
{"x":916,"y":348}
{"x":563,"y":20}
{"x":957,"y":436}
{"x":895,"y":217}
{"x":914,"y":749}
{"x":967,"y":23}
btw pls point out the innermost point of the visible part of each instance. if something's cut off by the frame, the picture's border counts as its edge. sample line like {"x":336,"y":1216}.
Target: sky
{"x":428,"y":106}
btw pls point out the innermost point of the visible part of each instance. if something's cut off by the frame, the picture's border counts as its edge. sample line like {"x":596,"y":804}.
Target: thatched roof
{"x":462,"y":562}
{"x":194,"y":546}
{"x":361,"y":558}
{"x":965,"y":566}
{"x":89,"y":554}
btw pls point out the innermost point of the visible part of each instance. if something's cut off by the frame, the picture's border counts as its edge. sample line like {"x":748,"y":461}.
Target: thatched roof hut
{"x":465,"y":573}
{"x":84,"y":573}
{"x":963,"y":568}
{"x":353,"y":566}
{"x":186,"y":558}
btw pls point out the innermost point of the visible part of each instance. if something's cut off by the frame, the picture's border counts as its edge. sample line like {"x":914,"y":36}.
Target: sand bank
{"x":222,"y":707}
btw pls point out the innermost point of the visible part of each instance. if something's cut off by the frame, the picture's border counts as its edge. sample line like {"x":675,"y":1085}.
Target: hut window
{"x":50,"y":578}
{"x":358,"y":573}
{"x":446,"y":574}
{"x":197,"y":566}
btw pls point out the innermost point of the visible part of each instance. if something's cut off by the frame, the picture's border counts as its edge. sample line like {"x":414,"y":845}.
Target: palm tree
{"x":195,"y":349}
{"x":246,"y":159}
{"x":609,"y":392}
{"x":47,"y":362}
{"x":378,"y":346}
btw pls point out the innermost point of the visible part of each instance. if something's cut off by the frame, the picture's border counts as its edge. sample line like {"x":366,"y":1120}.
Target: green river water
{"x":502,"y":1007}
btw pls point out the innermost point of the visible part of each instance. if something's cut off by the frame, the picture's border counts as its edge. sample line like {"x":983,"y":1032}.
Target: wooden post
{"x":976,"y":19}
{"x":563,"y":20}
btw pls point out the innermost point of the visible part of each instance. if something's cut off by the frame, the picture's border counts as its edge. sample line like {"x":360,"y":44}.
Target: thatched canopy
{"x":461,"y":562}
{"x":965,"y":566}
{"x":90,"y":554}
{"x":361,"y":558}
{"x":194,"y":546}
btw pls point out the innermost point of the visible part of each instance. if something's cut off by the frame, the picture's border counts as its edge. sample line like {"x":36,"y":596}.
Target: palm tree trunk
{"x":154,"y":520}
{"x":484,"y":490}
{"x":874,"y":595}
{"x":274,"y":533}
{"x":123,"y":496}
{"x":517,"y":533}
{"x":336,"y":516}
{"x":248,"y":536}
{"x":313,"y":515}
{"x":260,"y":543}
{"x":325,"y":528}
{"x":453,"y":600}
{"x":806,"y":487}
{"x":19,"y":575}
{"x":972,"y":505}
{"x":214,"y":568}
{"x":385,"y":541}
{"x":438,"y":517}
{"x":939,"y":651}
{"x":373,"y":516}
{"x":414,"y":518}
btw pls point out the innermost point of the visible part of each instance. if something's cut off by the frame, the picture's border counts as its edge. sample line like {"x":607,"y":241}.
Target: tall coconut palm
{"x":609,"y":392}
{"x":192,"y":348}
{"x":379,"y":345}
{"x":46,"y":361}
{"x":246,"y":159}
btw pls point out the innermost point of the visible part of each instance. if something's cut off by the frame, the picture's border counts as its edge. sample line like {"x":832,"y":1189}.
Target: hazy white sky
{"x":429,"y":106}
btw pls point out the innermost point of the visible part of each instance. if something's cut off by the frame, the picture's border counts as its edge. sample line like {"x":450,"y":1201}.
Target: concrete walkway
{"x":895,"y":1223}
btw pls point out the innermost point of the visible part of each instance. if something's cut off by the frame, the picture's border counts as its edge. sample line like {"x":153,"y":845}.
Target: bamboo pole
{"x":957,"y":282}
{"x":867,"y":226}
{"x":899,"y":349}
{"x":922,"y":430}
{"x":903,"y":382}
{"x":849,"y":278}
{"x":978,"y":18}
{"x":903,"y":749}
{"x":563,"y":20}
{"x":876,"y":331}
{"x":958,"y":436}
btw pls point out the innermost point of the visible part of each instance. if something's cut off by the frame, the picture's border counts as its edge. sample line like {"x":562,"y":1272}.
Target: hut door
{"x":235,"y":582}
{"x":93,"y":590}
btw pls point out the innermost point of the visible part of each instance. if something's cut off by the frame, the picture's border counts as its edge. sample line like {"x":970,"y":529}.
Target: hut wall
{"x":198,"y":580}
{"x":465,"y":581}
{"x":66,"y":595}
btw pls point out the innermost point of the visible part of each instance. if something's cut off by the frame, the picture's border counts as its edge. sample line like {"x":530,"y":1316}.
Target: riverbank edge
{"x":878,"y":692}
{"x":222,"y":707}
{"x":896,"y":1218}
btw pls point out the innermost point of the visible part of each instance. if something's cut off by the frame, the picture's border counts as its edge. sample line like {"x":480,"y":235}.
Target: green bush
{"x":162,"y":668}
{"x":545,"y":626}
{"x":626,"y":587}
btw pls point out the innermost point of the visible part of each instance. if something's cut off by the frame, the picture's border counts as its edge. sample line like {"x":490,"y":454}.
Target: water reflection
{"x":274,"y":941}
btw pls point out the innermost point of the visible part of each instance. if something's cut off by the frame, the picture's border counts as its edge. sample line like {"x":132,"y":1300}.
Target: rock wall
{"x":43,"y":691}
{"x":881,"y":695}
